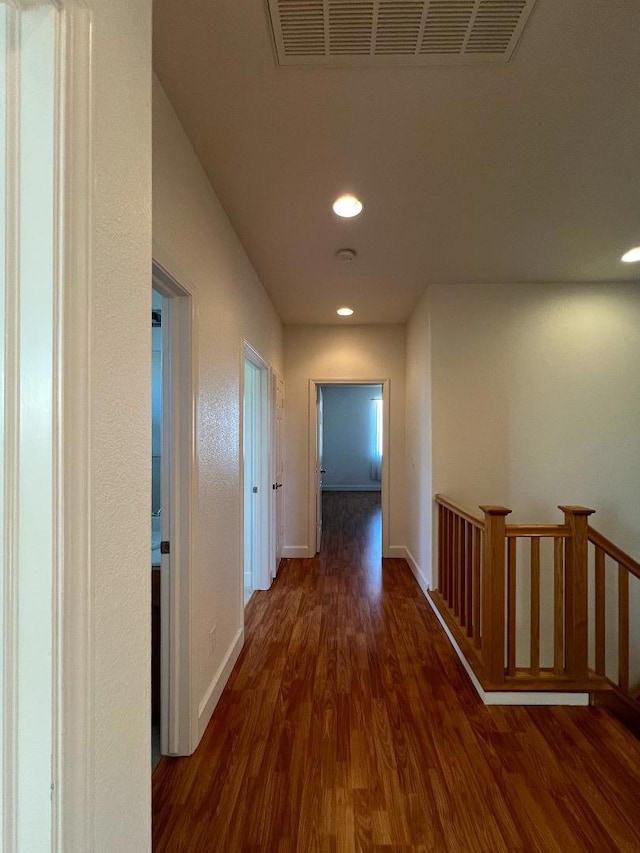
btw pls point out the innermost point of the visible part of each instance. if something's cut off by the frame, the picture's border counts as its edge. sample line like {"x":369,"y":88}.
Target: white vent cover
{"x":396,"y":32}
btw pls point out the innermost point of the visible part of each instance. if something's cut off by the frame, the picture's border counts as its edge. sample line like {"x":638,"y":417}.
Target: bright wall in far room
{"x":351,"y":456}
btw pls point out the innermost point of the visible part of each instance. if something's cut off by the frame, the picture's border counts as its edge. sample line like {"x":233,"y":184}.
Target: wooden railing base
{"x":547,"y":682}
{"x":625,"y":709}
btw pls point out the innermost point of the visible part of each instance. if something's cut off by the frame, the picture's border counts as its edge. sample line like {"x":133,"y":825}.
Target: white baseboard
{"x":297,"y":552}
{"x":369,"y":487}
{"x":512,"y":697}
{"x":423,"y":583}
{"x":214,"y":691}
{"x":396,"y":552}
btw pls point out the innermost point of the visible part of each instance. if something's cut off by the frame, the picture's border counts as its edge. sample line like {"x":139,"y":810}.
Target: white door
{"x":257,"y":481}
{"x":319,"y":471}
{"x":251,"y":528}
{"x":278,"y":391}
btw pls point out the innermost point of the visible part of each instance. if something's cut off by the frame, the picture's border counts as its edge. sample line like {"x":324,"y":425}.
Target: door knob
{"x":323,"y":471}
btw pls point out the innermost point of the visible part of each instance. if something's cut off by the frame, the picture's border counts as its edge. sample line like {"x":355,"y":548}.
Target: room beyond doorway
{"x":350,"y":434}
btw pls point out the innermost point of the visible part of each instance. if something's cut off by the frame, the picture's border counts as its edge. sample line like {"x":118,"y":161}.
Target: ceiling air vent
{"x":397,"y":32}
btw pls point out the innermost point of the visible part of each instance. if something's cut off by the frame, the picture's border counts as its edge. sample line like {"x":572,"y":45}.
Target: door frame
{"x":261,"y":577}
{"x":276,"y":519}
{"x":313,"y":444}
{"x":179,"y":707}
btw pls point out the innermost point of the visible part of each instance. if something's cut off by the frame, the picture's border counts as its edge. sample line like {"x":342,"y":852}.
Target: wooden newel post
{"x":493,"y":593}
{"x":576,"y":605}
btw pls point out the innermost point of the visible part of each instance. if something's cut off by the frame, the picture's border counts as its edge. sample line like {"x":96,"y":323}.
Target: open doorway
{"x":156,"y":521}
{"x":256,"y":482}
{"x":172,"y":452}
{"x":349,"y":466}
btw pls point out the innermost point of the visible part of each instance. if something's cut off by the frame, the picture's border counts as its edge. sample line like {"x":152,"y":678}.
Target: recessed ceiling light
{"x":345,"y":312}
{"x":631,"y":256}
{"x":347,"y":206}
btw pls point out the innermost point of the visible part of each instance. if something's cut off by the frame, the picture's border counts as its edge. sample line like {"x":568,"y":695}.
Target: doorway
{"x":173,"y":725}
{"x":157,"y":301}
{"x":349,"y":441}
{"x":277,"y":496}
{"x":255,"y":477}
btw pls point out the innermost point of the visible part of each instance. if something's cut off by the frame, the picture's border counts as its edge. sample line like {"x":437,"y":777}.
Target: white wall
{"x":357,"y":353}
{"x":120,"y":376}
{"x":536,"y":403}
{"x":349,"y":436}
{"x":194,"y":241}
{"x":419,"y":474}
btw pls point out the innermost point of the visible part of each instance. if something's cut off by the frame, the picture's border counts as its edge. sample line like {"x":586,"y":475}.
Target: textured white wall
{"x":535,"y":400}
{"x":349,"y":436}
{"x":195,"y":242}
{"x":353,"y":353}
{"x":120,"y":423}
{"x":419,"y":474}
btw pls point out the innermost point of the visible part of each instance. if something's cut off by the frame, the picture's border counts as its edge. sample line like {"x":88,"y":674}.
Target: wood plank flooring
{"x":348,"y":724}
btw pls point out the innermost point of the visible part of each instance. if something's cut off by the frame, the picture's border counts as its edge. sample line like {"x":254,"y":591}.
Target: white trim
{"x":423,"y":583}
{"x":73,"y":785}
{"x":8,"y":574}
{"x":297,"y":552}
{"x":179,"y":721}
{"x":513,"y":697}
{"x":218,"y":683}
{"x":47,"y":512}
{"x":387,"y":548}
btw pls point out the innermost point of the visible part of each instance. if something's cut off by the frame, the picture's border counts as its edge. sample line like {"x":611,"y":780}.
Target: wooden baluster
{"x":600,"y":603}
{"x":535,"y":607}
{"x":477,"y":544}
{"x":459,"y":572}
{"x":456,"y":557}
{"x":558,"y":606}
{"x":511,"y":606}
{"x":469,"y":579}
{"x":623,"y":628}
{"x":447,"y":556}
{"x":450,"y":519}
{"x":493,"y":593}
{"x":463,"y":572}
{"x":441,"y":551}
{"x":576,"y":592}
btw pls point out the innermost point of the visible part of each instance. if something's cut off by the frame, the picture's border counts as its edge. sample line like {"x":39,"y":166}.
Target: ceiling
{"x":526,"y":171}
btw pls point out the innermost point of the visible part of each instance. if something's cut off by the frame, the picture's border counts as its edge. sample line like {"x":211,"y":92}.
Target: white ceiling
{"x":527,"y":171}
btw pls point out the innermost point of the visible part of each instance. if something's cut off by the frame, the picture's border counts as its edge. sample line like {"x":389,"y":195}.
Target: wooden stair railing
{"x":485,"y":600}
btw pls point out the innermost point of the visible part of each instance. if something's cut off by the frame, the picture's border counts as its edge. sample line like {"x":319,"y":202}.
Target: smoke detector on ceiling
{"x":345,"y":255}
{"x":397,"y":32}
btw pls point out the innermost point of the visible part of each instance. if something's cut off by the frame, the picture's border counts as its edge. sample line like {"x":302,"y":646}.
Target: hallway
{"x":349,"y":724}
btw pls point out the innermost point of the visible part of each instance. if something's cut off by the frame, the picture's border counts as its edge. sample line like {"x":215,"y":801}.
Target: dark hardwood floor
{"x":349,"y":724}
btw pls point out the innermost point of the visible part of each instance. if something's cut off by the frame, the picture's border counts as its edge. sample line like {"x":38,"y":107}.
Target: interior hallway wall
{"x":419,"y":472}
{"x":119,"y":363}
{"x":195,"y":242}
{"x":357,"y":353}
{"x":535,"y":400}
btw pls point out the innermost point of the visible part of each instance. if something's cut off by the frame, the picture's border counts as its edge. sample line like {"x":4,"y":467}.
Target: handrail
{"x":466,"y":514}
{"x":614,"y":552}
